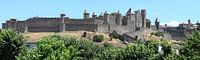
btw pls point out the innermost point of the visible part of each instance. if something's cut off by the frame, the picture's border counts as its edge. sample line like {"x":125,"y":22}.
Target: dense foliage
{"x":48,"y":48}
{"x":98,"y":38}
{"x":191,"y":46}
{"x":78,"y":48}
{"x":158,"y":34}
{"x":57,"y":47}
{"x":11,"y":44}
{"x":114,"y":34}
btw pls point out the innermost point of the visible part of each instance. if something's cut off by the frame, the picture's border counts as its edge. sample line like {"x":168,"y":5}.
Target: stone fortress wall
{"x":105,"y":22}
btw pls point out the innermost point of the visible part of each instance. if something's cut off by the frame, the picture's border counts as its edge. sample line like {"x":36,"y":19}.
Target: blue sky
{"x":171,"y":12}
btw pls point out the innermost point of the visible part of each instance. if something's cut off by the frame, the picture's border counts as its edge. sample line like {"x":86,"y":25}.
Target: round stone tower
{"x":143,"y":12}
{"x":62,"y":23}
{"x":86,"y":16}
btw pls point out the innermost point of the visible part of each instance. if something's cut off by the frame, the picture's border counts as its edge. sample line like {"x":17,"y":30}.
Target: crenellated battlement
{"x":104,"y":22}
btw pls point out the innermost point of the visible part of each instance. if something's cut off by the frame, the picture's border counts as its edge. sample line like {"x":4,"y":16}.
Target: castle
{"x":105,"y":22}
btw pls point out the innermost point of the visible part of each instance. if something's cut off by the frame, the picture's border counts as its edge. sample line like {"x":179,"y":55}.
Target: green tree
{"x":135,"y":51}
{"x":191,"y":46}
{"x":81,"y":48}
{"x":154,"y":44}
{"x":108,"y":53}
{"x":48,"y":48}
{"x":175,"y":57}
{"x":11,"y":44}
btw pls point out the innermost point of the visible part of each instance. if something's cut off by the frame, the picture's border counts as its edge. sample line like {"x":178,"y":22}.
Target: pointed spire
{"x":37,"y":16}
{"x":118,"y":12}
{"x":157,"y":20}
{"x":93,"y":13}
{"x":129,"y":11}
{"x":105,"y":12}
{"x":100,"y":14}
{"x":85,"y":11}
{"x":198,"y":23}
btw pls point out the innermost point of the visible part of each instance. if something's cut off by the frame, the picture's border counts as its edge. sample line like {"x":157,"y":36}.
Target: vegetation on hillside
{"x":58,"y":47}
{"x":114,"y":34}
{"x":158,"y":34}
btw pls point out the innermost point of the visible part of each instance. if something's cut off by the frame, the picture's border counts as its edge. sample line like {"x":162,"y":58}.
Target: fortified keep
{"x":105,"y":22}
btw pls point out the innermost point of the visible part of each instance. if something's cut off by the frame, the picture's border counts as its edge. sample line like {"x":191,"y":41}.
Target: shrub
{"x":158,"y":34}
{"x":11,"y":44}
{"x":121,"y":38}
{"x":106,"y":44}
{"x":114,"y":34}
{"x":98,"y":38}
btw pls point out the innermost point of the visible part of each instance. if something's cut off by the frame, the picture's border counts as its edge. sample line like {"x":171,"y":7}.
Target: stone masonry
{"x":105,"y":22}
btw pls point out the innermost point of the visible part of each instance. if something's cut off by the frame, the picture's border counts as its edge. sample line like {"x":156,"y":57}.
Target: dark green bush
{"x":114,"y":34}
{"x":98,"y":38}
{"x":121,"y":38}
{"x":158,"y":34}
{"x":11,"y":44}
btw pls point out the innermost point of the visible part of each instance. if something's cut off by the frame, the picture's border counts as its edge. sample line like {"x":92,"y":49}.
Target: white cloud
{"x":172,"y":23}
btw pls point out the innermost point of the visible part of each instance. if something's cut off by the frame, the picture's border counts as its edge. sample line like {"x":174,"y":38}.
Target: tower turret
{"x":143,"y":13}
{"x":157,"y":23}
{"x":197,"y":23}
{"x":128,"y":12}
{"x":106,"y":18}
{"x":86,"y":16}
{"x":189,"y":22}
{"x":100,"y":16}
{"x":94,"y":15}
{"x":129,"y":18}
{"x":62,"y":23}
{"x":137,"y":19}
{"x":118,"y":19}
